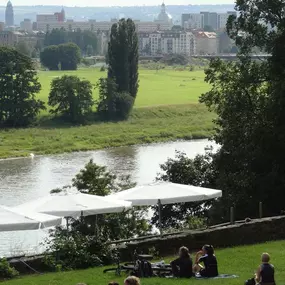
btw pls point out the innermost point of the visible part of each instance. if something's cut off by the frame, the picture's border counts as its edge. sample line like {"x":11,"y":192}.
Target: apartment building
{"x":167,"y":42}
{"x":206,"y":43}
{"x":213,"y":20}
{"x":193,"y":22}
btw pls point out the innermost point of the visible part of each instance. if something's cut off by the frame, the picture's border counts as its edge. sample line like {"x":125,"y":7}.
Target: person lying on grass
{"x":182,"y":266}
{"x":265,"y":272}
{"x":206,"y":256}
{"x":132,"y":280}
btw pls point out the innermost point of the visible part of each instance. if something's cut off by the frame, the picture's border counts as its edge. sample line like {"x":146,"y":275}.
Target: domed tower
{"x":9,"y":15}
{"x":163,"y":16}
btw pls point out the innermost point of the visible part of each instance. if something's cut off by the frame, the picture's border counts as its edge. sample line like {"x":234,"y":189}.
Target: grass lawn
{"x":146,"y":125}
{"x":241,"y":261}
{"x":166,"y":109}
{"x":162,"y":87}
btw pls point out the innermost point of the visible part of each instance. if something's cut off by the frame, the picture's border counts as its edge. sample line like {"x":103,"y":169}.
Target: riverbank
{"x":146,"y":125}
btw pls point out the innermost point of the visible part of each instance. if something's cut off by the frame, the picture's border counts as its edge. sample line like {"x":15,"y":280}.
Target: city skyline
{"x":82,"y":3}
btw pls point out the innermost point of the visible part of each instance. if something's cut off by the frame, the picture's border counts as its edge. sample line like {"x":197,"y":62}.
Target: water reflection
{"x":30,"y":178}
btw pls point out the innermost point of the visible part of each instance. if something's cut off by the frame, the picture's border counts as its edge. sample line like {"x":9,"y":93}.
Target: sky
{"x":112,"y":2}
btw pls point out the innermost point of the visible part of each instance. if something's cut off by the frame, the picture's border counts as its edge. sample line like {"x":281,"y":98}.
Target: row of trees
{"x":61,"y":57}
{"x":248,"y":97}
{"x":87,"y":41}
{"x":70,"y":96}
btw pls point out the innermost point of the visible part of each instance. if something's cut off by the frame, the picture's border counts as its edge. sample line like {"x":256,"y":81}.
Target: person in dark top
{"x":182,"y":266}
{"x":265,"y":272}
{"x":208,"y":258}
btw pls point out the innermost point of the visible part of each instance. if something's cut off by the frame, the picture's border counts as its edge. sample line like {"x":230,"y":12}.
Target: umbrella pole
{"x":96,"y":226}
{"x":159,"y":217}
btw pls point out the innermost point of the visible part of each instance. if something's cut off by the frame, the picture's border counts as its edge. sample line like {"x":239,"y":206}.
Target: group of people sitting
{"x":205,"y":265}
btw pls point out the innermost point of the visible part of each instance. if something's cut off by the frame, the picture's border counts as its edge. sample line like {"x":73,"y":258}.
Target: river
{"x":28,"y":178}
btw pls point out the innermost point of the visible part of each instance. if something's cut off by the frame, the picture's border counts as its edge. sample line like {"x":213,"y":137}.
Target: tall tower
{"x":9,"y":15}
{"x":63,"y":14}
{"x":163,"y":8}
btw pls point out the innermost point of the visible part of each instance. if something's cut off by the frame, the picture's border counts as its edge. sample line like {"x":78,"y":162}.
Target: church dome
{"x":163,"y":16}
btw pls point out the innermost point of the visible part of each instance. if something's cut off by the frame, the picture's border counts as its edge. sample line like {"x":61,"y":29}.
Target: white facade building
{"x":167,"y":42}
{"x":222,"y":21}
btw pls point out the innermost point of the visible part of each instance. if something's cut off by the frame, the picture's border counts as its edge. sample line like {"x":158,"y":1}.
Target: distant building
{"x":210,"y":20}
{"x":206,"y":43}
{"x":163,"y":16}
{"x":193,"y":22}
{"x":8,"y":38}
{"x":223,"y":19}
{"x":167,"y":42}
{"x":214,"y":21}
{"x":2,"y":26}
{"x":26,"y":25}
{"x":48,"y":22}
{"x":57,"y":17}
{"x":9,"y":15}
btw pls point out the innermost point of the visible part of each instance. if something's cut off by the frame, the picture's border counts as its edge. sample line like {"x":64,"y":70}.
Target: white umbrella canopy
{"x":16,"y":220}
{"x":74,"y":205}
{"x":165,"y":193}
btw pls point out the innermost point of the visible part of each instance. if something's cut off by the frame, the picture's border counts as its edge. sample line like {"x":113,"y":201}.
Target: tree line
{"x":70,"y":97}
{"x":248,"y":97}
{"x":86,"y":40}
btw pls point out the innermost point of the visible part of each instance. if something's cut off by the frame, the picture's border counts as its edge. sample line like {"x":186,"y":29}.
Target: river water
{"x":28,"y":178}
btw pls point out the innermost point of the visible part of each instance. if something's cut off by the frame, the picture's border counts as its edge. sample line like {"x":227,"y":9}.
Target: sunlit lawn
{"x":241,"y":261}
{"x":162,"y":87}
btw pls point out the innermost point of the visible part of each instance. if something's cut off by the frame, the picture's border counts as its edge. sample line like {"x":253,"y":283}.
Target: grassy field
{"x":162,"y":87}
{"x":241,"y":261}
{"x":166,"y":109}
{"x":146,"y":125}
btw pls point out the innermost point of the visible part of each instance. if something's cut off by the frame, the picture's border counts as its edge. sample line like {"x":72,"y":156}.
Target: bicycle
{"x":158,"y":268}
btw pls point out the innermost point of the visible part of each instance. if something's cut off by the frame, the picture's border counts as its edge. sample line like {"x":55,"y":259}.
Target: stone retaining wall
{"x":255,"y":231}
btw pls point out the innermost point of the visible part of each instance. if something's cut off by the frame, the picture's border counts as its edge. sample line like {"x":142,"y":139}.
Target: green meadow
{"x":166,"y":109}
{"x":241,"y":261}
{"x":162,"y":87}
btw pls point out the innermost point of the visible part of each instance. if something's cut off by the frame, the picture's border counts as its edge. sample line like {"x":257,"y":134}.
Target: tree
{"x":19,"y":85}
{"x":199,"y":171}
{"x":94,"y":179}
{"x":248,"y":98}
{"x":23,"y":48}
{"x":71,"y":97}
{"x":50,"y":57}
{"x":123,"y":57}
{"x":113,"y":105}
{"x":65,"y":55}
{"x":69,"y":56}
{"x":83,"y":39}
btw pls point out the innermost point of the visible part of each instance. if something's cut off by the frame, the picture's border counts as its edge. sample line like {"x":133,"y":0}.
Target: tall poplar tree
{"x":123,"y":57}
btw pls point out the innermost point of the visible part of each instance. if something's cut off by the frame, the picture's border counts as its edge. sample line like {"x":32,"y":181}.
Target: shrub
{"x":123,"y":103}
{"x":113,"y":105}
{"x":74,"y":249}
{"x":6,"y":271}
{"x":103,"y":68}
